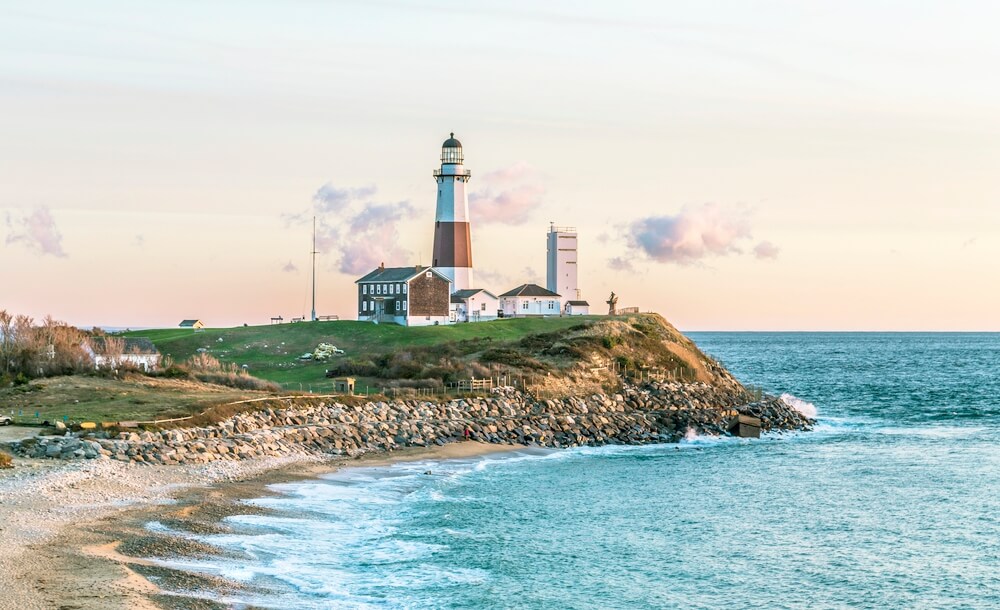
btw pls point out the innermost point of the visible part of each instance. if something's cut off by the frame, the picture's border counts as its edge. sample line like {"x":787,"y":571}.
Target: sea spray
{"x":804,"y":407}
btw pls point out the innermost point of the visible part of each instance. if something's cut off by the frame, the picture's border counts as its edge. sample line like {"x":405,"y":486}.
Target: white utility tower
{"x":561,"y":261}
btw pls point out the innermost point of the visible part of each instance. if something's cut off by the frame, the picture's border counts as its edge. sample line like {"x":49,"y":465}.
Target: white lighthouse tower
{"x":452,"y":239}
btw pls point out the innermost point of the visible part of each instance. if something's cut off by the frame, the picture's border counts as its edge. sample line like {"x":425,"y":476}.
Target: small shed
{"x":343,"y":385}
{"x":192,"y":324}
{"x":745,"y":426}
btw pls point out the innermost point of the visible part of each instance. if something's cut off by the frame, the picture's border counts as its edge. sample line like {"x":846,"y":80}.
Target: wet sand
{"x":74,"y":535}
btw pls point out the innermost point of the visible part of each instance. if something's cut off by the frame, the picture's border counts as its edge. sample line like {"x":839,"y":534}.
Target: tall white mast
{"x":314,"y":271}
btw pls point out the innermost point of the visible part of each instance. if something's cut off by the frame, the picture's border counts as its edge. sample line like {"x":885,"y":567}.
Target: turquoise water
{"x":892,"y":502}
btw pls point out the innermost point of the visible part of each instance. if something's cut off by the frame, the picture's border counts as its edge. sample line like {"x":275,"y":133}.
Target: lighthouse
{"x":452,"y":239}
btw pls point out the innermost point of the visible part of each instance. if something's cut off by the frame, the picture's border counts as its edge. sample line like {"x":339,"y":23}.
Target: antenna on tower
{"x":314,"y":271}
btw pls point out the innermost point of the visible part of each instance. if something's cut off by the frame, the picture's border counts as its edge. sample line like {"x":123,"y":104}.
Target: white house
{"x":530,"y":300}
{"x":135,"y":351}
{"x":474,"y":305}
{"x":577,"y":308}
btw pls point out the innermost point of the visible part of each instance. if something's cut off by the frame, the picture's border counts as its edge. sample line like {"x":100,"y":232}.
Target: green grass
{"x":135,"y":398}
{"x":271,"y":352}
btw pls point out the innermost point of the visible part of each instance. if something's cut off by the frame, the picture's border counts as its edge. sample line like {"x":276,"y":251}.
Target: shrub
{"x":6,"y":461}
{"x":240,"y":381}
{"x":175,"y":371}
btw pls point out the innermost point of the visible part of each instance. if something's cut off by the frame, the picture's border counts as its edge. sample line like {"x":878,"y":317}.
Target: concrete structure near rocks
{"x":343,"y":385}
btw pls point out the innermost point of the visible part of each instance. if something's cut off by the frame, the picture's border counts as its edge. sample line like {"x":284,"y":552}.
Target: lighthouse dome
{"x":451,"y":151}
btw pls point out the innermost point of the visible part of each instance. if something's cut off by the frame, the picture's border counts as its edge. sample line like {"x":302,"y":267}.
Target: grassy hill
{"x":579,"y":355}
{"x":92,"y":398}
{"x":387,"y":355}
{"x":272,"y":352}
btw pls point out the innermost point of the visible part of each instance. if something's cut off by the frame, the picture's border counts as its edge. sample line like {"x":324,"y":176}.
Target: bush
{"x":240,"y":381}
{"x":175,"y":372}
{"x":6,"y":461}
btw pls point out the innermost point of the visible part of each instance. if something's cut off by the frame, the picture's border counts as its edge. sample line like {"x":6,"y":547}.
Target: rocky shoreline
{"x":657,"y":412}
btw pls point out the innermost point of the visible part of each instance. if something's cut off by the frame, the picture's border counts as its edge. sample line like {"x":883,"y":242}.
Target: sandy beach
{"x":72,"y":534}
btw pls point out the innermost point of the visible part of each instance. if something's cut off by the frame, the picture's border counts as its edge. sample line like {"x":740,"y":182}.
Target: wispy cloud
{"x":694,"y":234}
{"x":329,"y":198}
{"x":289,"y":267}
{"x":619,"y":263}
{"x":766,"y":250}
{"x":508,"y":196}
{"x":353,"y":232}
{"x":36,"y":231}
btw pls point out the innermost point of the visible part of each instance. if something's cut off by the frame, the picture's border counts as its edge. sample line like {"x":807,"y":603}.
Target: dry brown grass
{"x":99,"y":399}
{"x":6,"y":461}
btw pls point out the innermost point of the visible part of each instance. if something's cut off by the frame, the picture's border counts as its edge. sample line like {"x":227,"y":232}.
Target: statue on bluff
{"x":612,"y":304}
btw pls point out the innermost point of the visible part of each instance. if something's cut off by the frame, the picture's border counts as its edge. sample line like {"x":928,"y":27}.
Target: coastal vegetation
{"x":207,"y":369}
{"x":390,"y":356}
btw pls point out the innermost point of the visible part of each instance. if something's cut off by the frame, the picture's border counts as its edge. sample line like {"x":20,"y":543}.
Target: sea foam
{"x":804,"y":407}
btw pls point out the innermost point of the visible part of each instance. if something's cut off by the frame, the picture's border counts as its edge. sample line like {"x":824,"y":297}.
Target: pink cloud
{"x":696,"y":233}
{"x":36,"y":231}
{"x":508,"y":196}
{"x":766,"y":250}
{"x":355,"y":234}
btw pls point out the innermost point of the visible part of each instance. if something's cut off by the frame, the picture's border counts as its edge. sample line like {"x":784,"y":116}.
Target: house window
{"x":552,"y":304}
{"x":524,"y":305}
{"x":404,"y":305}
{"x":378,"y":288}
{"x":364,"y":288}
{"x":395,"y":305}
{"x":482,"y":307}
{"x":404,"y":288}
{"x":364,"y":305}
{"x":392,"y":289}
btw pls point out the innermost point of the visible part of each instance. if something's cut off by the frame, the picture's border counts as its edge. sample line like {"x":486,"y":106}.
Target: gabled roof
{"x":395,"y":274}
{"x":578,"y":303}
{"x":189,"y":322}
{"x":529,"y":290}
{"x":470,"y":292}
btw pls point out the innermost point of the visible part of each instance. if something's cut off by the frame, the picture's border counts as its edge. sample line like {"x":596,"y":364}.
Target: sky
{"x":768,"y":165}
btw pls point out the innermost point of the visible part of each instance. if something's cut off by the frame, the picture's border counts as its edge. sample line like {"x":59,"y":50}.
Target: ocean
{"x":893,"y":501}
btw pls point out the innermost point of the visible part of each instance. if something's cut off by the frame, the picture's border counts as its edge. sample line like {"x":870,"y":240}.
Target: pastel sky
{"x":732,"y":165}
